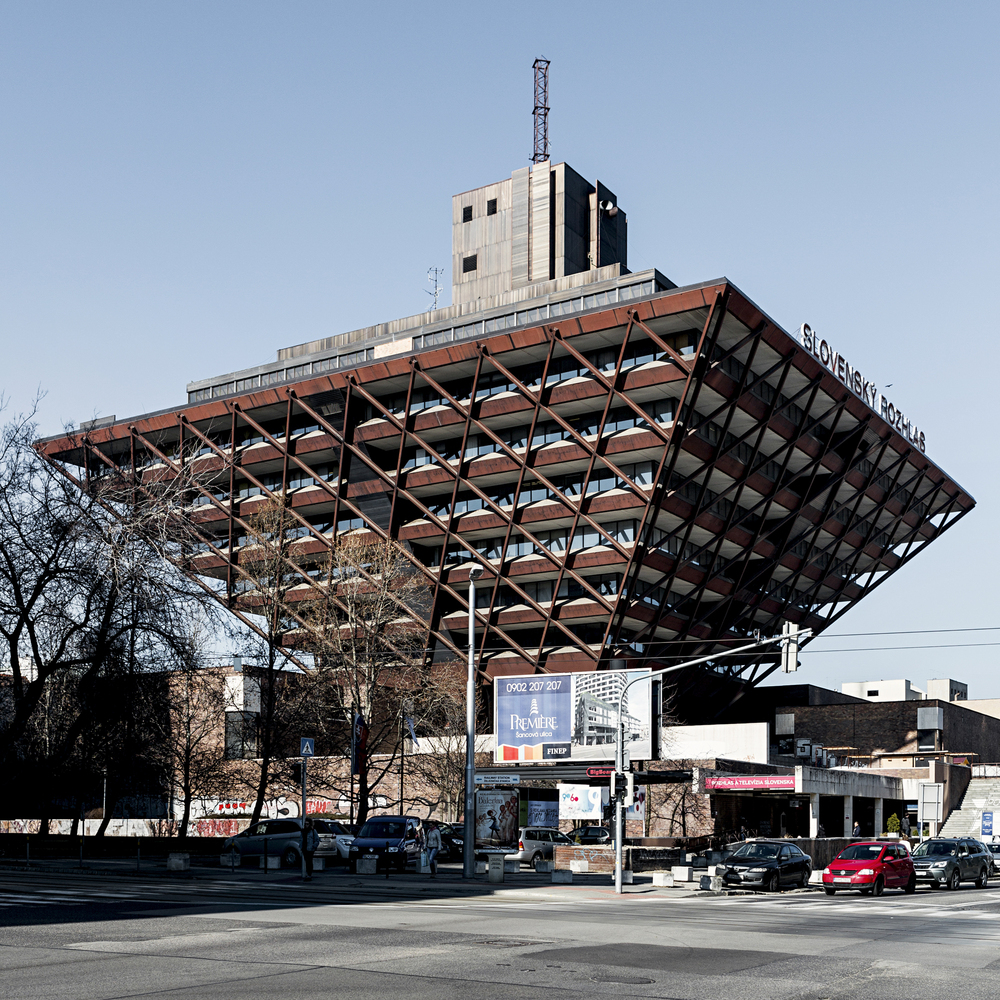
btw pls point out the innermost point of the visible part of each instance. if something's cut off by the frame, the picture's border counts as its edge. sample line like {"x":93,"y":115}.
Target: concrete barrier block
{"x":710,"y":870}
{"x":481,"y":867}
{"x":711,"y":883}
{"x":511,"y":866}
{"x":273,"y":861}
{"x":561,"y":875}
{"x":681,"y":873}
{"x":627,"y":878}
{"x":579,"y":865}
{"x":545,"y":866}
{"x":816,"y":878}
{"x":367,"y":866}
{"x":497,"y":866}
{"x":319,"y":864}
{"x":178,"y":862}
{"x":228,"y":860}
{"x":663,"y":880}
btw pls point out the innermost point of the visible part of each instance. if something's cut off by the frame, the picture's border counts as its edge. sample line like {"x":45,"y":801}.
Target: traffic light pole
{"x":305,"y":764}
{"x":469,"y":841}
{"x":620,"y":741}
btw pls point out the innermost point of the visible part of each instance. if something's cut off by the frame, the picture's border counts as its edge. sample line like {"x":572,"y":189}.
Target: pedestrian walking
{"x":856,"y":832}
{"x":904,"y":826}
{"x":433,"y":846}
{"x":310,"y":842}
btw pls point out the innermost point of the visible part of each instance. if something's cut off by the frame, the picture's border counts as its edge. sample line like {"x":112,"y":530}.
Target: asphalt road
{"x":112,"y":936}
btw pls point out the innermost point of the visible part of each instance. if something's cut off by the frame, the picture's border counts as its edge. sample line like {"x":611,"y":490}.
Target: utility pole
{"x":468,"y":844}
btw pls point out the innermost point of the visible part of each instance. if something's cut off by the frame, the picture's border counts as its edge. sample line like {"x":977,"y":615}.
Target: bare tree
{"x":366,"y":629}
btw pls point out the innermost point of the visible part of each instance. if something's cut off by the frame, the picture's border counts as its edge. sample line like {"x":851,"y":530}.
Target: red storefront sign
{"x":760,"y":782}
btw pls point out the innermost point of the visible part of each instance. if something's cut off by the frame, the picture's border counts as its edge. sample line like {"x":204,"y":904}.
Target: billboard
{"x":581,"y":802}
{"x":547,"y":718}
{"x":497,"y":813}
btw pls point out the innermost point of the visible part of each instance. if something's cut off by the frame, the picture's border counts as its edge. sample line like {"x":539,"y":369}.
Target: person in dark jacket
{"x":433,"y":846}
{"x":310,"y":843}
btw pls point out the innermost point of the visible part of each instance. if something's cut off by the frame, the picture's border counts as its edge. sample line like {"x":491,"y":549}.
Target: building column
{"x":878,"y":818}
{"x":813,"y":815}
{"x":848,"y":815}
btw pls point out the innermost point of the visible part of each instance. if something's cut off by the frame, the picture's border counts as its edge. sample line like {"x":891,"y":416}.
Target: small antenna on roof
{"x":432,"y":276}
{"x":541,"y":112}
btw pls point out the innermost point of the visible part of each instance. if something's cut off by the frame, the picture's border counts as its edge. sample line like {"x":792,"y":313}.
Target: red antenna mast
{"x":541,"y":154}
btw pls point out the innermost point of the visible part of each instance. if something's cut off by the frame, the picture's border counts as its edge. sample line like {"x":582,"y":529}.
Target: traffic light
{"x":623,"y":784}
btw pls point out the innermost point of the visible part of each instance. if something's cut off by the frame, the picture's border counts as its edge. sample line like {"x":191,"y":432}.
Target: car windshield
{"x":381,"y":829}
{"x":934,"y":849}
{"x":860,"y":852}
{"x":757,"y":851}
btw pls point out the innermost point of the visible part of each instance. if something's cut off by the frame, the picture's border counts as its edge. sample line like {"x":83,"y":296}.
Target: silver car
{"x":281,"y":838}
{"x":537,"y":843}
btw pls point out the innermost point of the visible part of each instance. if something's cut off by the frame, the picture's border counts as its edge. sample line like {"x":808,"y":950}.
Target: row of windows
{"x":567,"y":486}
{"x":491,"y":209}
{"x":555,"y":541}
{"x":282,"y":375}
{"x":537,"y":314}
{"x":541,"y":591}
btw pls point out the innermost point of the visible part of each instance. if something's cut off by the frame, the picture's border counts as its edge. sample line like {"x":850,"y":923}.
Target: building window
{"x":872,"y":694}
{"x":241,"y":735}
{"x":467,"y":213}
{"x":469,"y":263}
{"x":491,"y":207}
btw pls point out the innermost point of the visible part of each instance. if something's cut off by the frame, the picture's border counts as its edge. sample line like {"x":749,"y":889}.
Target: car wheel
{"x":804,"y":882}
{"x":911,"y":886}
{"x":878,"y":886}
{"x":954,"y":880}
{"x":829,"y":890}
{"x":983,"y":879}
{"x":290,"y":858}
{"x":535,"y":859}
{"x":772,"y":883}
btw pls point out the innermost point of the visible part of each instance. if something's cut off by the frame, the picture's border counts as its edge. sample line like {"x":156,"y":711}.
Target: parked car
{"x":990,"y":855}
{"x":342,"y":836}
{"x":591,"y":835}
{"x":870,"y":867}
{"x":949,"y":861}
{"x":994,"y":848}
{"x":452,"y":841}
{"x":281,"y":838}
{"x":767,"y":865}
{"x":536,"y":843}
{"x":390,"y":840}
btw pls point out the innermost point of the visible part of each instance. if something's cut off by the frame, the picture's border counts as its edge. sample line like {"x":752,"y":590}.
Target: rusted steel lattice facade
{"x":647,"y":481}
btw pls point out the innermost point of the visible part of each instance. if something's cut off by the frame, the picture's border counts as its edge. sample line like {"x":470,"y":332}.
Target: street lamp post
{"x":468,"y":844}
{"x":620,"y":741}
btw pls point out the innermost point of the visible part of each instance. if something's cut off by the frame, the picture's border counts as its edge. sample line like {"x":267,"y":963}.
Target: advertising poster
{"x":637,"y":810}
{"x":559,"y":717}
{"x":496,"y":817}
{"x":580,"y":802}
{"x":540,"y":812}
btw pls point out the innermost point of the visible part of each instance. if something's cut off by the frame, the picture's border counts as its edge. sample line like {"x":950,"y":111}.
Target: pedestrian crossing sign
{"x":307,"y":747}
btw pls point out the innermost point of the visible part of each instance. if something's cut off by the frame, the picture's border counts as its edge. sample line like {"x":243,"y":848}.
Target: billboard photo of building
{"x":557,"y":717}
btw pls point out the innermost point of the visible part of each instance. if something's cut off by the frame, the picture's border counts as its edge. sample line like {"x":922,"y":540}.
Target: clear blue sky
{"x":186,"y":187}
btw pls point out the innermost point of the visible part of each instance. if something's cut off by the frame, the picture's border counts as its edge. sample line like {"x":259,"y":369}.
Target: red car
{"x":871,"y":867}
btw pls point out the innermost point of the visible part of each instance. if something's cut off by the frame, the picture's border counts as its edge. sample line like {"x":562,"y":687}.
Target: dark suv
{"x":390,"y":840}
{"x":950,"y":861}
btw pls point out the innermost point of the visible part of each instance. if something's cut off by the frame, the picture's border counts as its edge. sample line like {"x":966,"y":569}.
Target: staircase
{"x":983,"y":794}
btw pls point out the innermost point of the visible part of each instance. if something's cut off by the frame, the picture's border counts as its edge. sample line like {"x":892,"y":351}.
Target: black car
{"x":390,"y":840}
{"x":591,"y":835}
{"x":949,"y":861}
{"x":452,"y":841}
{"x":767,"y":865}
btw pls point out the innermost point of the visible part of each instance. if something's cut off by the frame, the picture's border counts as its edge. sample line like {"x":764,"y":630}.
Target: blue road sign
{"x":987,"y":824}
{"x":307,"y":748}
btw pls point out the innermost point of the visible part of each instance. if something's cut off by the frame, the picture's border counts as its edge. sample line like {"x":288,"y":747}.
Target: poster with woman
{"x":496,"y":817}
